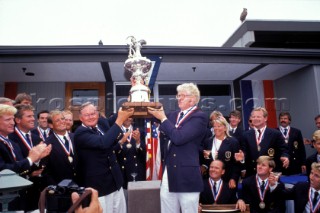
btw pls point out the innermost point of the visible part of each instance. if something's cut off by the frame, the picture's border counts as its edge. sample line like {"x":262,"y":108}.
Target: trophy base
{"x":140,"y":108}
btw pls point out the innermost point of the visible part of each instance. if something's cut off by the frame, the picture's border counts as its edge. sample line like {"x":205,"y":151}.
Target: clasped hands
{"x":135,"y":135}
{"x":39,"y":151}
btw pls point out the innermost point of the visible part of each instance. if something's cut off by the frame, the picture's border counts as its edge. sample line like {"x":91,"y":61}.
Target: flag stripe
{"x":247,"y":102}
{"x":153,"y":157}
{"x":258,"y":94}
{"x":270,"y":103}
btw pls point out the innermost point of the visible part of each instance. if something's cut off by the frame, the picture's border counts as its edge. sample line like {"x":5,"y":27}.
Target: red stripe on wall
{"x":10,"y":90}
{"x":269,"y":102}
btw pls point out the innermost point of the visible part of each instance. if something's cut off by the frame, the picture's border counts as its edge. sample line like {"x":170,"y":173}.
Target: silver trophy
{"x":139,"y":96}
{"x":139,"y":66}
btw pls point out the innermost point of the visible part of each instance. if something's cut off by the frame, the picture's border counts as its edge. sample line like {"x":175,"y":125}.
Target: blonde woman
{"x":223,"y":147}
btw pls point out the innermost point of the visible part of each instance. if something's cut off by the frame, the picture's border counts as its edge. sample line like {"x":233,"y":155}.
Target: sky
{"x":160,"y":23}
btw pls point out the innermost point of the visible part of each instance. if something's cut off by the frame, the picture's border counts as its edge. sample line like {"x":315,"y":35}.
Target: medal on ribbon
{"x":262,"y":204}
{"x":192,"y":109}
{"x":216,"y":193}
{"x":68,"y":151}
{"x":286,"y":136}
{"x":259,"y":139}
{"x":129,"y":145}
{"x":40,"y":134}
{"x":24,"y":139}
{"x":9,"y":145}
{"x":313,"y":209}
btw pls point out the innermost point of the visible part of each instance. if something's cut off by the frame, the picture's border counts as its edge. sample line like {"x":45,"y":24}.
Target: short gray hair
{"x":85,"y":105}
{"x":190,"y":88}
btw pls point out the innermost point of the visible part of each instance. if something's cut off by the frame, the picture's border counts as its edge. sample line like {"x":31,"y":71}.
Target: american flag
{"x":153,"y":161}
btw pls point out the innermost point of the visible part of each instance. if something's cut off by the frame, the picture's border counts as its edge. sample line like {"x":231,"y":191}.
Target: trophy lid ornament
{"x":139,"y":97}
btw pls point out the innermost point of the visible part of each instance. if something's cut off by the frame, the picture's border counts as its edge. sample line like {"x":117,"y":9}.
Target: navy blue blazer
{"x":7,"y":161}
{"x":297,"y":152}
{"x":238,"y":134}
{"x":36,"y":132}
{"x":132,"y":160}
{"x":274,"y":201}
{"x":300,"y":194}
{"x":181,"y":158}
{"x":312,"y":158}
{"x":30,"y":195}
{"x":227,"y":195}
{"x":25,"y":151}
{"x":97,"y":163}
{"x":20,"y":165}
{"x":227,"y":150}
{"x":58,"y":166}
{"x":272,"y":144}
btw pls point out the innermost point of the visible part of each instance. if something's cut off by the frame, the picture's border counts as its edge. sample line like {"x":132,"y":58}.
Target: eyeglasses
{"x":181,"y":96}
{"x":90,"y":115}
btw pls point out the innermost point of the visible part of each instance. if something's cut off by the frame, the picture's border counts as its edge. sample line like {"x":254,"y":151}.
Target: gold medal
{"x":216,"y":156}
{"x":129,"y":145}
{"x":259,"y":148}
{"x":262,"y":205}
{"x":70,"y":159}
{"x":286,"y":140}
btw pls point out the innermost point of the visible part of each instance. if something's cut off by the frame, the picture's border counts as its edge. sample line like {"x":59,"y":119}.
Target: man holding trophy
{"x":182,"y":180}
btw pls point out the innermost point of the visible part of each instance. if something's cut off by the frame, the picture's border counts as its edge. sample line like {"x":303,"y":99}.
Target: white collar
{"x":260,"y":180}
{"x":283,"y":128}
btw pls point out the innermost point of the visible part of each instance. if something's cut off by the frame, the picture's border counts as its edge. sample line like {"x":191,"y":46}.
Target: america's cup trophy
{"x":139,"y":95}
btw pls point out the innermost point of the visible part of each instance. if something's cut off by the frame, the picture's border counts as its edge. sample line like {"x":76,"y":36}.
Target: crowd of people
{"x":204,"y":160}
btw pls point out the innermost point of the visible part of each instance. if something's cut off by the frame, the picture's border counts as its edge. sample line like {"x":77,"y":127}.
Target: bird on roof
{"x":100,"y":42}
{"x":243,"y":15}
